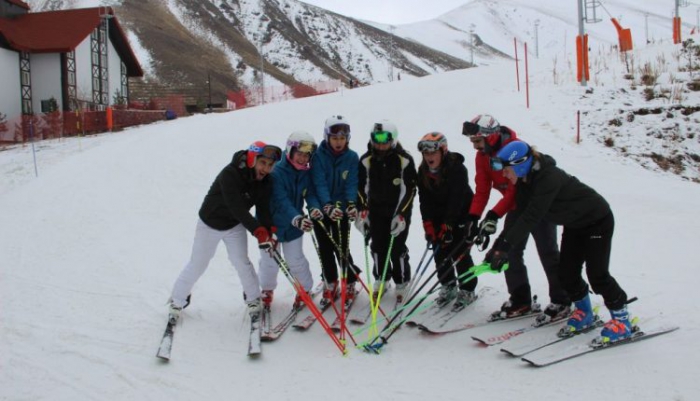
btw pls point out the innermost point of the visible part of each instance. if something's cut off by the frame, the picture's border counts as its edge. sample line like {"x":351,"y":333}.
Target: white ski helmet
{"x":487,"y":124}
{"x":336,"y":125}
{"x":385,"y":131}
{"x":300,"y":141}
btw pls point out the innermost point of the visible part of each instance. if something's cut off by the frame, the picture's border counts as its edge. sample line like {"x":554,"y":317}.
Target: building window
{"x":25,"y":83}
{"x":124,"y":83}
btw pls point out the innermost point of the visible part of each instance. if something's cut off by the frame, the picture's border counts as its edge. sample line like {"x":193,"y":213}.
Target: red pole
{"x":517,"y":71}
{"x":527,"y":80}
{"x":578,"y":126}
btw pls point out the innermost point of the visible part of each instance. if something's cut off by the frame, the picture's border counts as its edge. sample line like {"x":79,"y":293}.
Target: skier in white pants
{"x":291,"y":186}
{"x":225,"y":216}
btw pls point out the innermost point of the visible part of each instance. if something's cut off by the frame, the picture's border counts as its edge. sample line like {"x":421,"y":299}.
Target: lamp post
{"x":537,"y":41}
{"x":209,"y":84}
{"x":471,"y":42}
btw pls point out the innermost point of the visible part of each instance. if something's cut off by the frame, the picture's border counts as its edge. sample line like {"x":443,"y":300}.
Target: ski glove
{"x":303,"y":223}
{"x":472,"y":226}
{"x":445,"y":234}
{"x":333,"y":212}
{"x":351,"y":211}
{"x":429,"y":231}
{"x":498,"y":255}
{"x":362,"y":222}
{"x":489,"y":224}
{"x":266,"y":240}
{"x":315,"y":214}
{"x":398,"y":224}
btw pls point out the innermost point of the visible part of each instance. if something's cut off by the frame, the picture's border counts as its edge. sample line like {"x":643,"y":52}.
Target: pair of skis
{"x":542,"y":345}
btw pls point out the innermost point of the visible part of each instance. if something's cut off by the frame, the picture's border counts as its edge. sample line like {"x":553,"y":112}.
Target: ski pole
{"x":415,"y":294}
{"x":473,"y":273}
{"x":357,"y":275}
{"x":375,"y":307}
{"x":306,"y":298}
{"x":420,"y":272}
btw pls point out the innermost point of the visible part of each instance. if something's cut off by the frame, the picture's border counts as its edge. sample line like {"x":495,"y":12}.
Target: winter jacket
{"x":234,"y":191}
{"x":290,"y":188}
{"x":387,"y":182}
{"x":335,"y":175}
{"x":445,"y":196}
{"x":551,"y":194}
{"x":486,"y":178}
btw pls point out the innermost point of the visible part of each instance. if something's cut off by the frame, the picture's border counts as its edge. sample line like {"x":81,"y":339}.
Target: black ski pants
{"x":329,"y":237}
{"x":463,"y":257}
{"x":590,"y":245}
{"x":545,"y":236}
{"x":398,"y":267}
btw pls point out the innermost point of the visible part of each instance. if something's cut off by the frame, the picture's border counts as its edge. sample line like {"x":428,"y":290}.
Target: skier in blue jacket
{"x":334,"y":172}
{"x":291,"y":187}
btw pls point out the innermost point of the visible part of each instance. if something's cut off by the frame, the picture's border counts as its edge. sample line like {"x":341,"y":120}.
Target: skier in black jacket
{"x":225,"y":216}
{"x":544,"y":191}
{"x":386,"y":188}
{"x":445,"y":196}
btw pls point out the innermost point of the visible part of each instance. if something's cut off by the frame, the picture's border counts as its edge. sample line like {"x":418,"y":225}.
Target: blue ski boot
{"x":582,"y":318}
{"x":618,"y":328}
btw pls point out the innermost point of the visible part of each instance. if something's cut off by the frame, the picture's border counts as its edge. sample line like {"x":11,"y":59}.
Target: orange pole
{"x":527,"y":80}
{"x":517,"y":71}
{"x":110,"y":121}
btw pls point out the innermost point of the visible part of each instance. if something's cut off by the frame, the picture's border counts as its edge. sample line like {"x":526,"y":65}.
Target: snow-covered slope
{"x":89,"y":251}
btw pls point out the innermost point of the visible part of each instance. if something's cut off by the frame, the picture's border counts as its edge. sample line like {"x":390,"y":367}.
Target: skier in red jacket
{"x":488,"y":137}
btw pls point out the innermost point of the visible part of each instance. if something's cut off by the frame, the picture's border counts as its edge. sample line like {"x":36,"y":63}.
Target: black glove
{"x":472,"y":227}
{"x":489,"y":224}
{"x":497,"y":256}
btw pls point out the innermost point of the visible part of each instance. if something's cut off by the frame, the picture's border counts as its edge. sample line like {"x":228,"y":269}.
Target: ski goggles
{"x":498,"y":164}
{"x":339,"y":129}
{"x":428,"y":146}
{"x":305,"y":147}
{"x":382,"y":137}
{"x":268,"y":151}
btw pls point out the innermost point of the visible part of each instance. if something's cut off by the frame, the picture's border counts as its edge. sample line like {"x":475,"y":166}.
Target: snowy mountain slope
{"x":298,"y":43}
{"x":89,"y":251}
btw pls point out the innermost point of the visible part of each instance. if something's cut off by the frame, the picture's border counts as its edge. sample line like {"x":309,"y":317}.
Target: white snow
{"x":90,"y":248}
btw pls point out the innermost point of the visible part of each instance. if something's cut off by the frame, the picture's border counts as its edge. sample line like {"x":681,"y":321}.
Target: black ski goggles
{"x":339,"y":129}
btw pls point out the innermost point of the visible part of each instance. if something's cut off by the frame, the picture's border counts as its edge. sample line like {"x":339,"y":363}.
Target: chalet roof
{"x":62,"y":31}
{"x":19,"y":3}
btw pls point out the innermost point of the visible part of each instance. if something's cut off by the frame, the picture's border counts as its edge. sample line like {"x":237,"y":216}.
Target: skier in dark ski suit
{"x":386,"y":188}
{"x":546,"y":192}
{"x":445,"y":196}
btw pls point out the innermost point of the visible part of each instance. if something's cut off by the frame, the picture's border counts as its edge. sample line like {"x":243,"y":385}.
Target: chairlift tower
{"x":391,"y":53}
{"x":587,"y":13}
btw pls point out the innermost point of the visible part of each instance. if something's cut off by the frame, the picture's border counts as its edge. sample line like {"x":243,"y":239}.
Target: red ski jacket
{"x":486,"y":178}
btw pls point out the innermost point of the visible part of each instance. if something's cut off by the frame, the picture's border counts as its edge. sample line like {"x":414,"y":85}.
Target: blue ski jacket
{"x":290,"y":188}
{"x":335,"y":175}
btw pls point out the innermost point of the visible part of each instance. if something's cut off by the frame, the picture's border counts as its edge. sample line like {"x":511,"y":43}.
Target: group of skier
{"x":325,"y":188}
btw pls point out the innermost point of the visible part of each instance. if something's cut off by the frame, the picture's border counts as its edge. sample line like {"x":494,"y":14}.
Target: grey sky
{"x":389,"y":11}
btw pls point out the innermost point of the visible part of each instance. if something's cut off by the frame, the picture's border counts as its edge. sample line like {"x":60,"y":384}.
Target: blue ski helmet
{"x":515,"y":154}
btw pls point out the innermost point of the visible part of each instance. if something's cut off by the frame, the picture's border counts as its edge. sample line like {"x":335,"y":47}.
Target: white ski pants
{"x":293,"y":253}
{"x":206,"y":240}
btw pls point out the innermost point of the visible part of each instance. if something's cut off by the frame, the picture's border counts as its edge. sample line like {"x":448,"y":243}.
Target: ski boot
{"x":511,"y":309}
{"x":446,"y":295}
{"x":552,"y":313}
{"x":400,"y":291}
{"x":350,"y":293}
{"x":254,"y":309}
{"x":330,"y":292}
{"x":464,"y":299}
{"x":267,"y":296}
{"x":619,"y":327}
{"x":582,"y":320}
{"x":174,"y":313}
{"x":377,"y":285}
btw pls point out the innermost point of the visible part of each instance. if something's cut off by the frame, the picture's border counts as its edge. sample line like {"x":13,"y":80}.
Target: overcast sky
{"x":389,"y":11}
